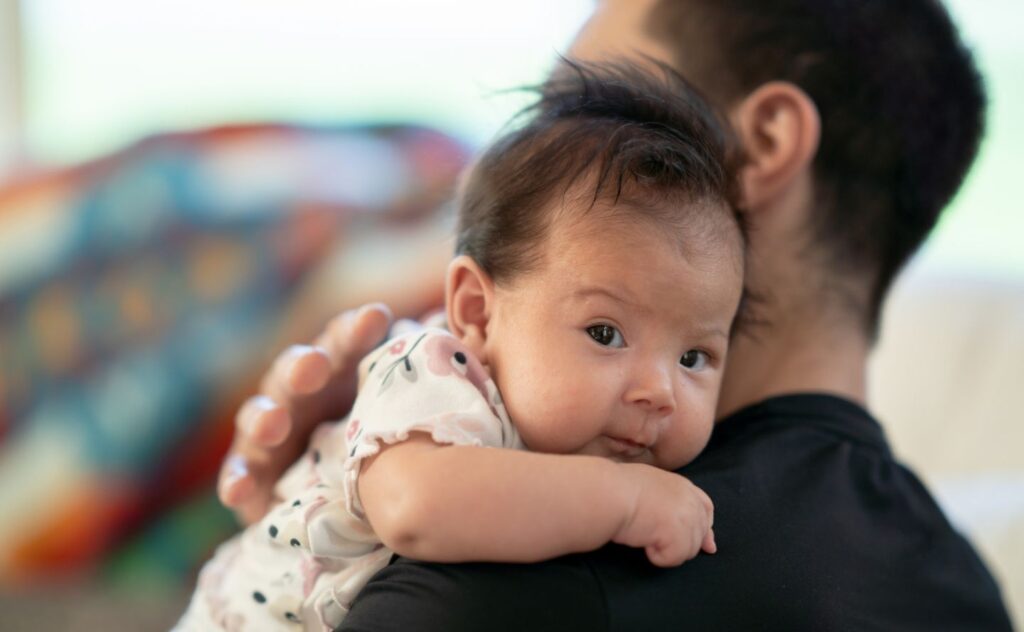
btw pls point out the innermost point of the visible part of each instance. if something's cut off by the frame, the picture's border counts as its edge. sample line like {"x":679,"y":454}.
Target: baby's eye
{"x":694,"y":360}
{"x":606,"y":335}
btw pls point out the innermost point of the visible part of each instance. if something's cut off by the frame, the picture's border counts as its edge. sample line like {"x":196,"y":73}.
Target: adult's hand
{"x":305,"y":386}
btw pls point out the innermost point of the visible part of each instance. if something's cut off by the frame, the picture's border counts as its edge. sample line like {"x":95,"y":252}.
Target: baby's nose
{"x":653,"y":391}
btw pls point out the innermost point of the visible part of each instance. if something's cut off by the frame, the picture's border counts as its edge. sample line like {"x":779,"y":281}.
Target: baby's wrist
{"x":629,"y":486}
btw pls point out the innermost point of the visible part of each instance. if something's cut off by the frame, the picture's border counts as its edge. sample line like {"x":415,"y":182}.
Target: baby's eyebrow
{"x":592,"y":290}
{"x":713,"y":331}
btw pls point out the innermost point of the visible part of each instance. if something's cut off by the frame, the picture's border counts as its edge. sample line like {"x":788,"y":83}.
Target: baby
{"x":589,"y":308}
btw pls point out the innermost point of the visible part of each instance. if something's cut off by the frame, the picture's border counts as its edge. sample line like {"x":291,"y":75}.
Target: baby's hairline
{"x":684,"y":219}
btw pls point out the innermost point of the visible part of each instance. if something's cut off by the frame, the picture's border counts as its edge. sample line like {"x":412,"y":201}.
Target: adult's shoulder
{"x":820,"y":525}
{"x":817,"y":525}
{"x":560,"y":594}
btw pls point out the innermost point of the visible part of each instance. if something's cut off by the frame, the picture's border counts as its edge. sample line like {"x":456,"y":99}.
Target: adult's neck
{"x":794,"y":357}
{"x":807,"y":337}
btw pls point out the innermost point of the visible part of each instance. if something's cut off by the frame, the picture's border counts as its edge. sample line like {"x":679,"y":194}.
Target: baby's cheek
{"x":686,"y":439}
{"x":549,"y":394}
{"x":529,"y":418}
{"x":542,"y":415}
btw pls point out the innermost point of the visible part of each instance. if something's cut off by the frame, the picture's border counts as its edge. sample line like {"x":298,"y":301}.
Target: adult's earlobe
{"x":780,"y":128}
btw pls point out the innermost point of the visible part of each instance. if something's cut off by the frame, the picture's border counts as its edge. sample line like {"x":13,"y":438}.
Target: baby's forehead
{"x":697,"y":225}
{"x":659,"y":261}
{"x":610,"y":238}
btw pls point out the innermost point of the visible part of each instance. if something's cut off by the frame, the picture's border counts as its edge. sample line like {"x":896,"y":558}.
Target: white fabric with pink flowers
{"x":303,"y":564}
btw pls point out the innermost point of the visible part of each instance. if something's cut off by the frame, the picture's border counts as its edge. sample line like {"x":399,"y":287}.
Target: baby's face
{"x":616,"y":345}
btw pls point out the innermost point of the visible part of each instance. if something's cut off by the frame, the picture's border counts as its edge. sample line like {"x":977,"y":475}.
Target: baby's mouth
{"x":626,"y":449}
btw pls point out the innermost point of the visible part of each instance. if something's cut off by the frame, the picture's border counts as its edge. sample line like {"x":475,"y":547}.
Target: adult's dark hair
{"x":637,"y":141}
{"x":901,"y":103}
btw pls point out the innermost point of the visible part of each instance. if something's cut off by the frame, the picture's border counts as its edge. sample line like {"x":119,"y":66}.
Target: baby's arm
{"x":466,"y":503}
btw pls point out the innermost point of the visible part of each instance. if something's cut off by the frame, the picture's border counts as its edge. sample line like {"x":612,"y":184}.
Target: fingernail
{"x":297,"y":351}
{"x":235,"y":471}
{"x":258,"y":404}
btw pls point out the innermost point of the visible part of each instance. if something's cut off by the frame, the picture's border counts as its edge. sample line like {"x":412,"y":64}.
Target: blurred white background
{"x":90,"y":77}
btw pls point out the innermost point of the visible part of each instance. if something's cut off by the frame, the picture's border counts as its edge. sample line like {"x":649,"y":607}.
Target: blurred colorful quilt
{"x":142,"y":295}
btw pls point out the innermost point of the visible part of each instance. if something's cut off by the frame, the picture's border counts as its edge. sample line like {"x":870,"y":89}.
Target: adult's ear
{"x":779,"y":127}
{"x":469,"y":297}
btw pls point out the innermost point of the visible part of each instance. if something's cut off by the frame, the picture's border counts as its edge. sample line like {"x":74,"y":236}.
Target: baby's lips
{"x":626,"y":448}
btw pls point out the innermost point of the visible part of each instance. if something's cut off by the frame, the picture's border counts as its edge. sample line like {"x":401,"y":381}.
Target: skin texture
{"x":647,"y":398}
{"x":633,"y":399}
{"x":305,"y":386}
{"x":617,"y":29}
{"x":808,"y":340}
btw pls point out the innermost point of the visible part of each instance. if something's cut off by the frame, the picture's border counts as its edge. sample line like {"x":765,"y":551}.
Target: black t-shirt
{"x":818,"y":528}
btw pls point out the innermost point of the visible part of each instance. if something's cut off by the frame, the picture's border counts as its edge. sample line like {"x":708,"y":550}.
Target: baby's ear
{"x":469,"y":297}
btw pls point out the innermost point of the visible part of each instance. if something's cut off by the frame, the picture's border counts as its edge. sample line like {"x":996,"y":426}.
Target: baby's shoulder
{"x":429,"y":353}
{"x":430,"y":378}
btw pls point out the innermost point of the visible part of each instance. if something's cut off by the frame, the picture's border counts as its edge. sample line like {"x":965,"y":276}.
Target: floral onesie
{"x":302,"y":565}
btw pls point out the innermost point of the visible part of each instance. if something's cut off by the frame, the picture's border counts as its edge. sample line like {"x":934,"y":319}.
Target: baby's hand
{"x":671,"y":517}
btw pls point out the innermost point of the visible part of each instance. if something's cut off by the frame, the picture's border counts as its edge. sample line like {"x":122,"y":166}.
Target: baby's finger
{"x":665,"y":555}
{"x":709,"y":545}
{"x":705,"y":500}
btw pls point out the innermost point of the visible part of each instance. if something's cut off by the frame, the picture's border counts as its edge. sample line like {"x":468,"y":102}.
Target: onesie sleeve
{"x":427,"y":382}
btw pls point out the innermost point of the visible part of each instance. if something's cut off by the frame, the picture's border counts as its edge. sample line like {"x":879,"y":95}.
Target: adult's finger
{"x":305,"y":386}
{"x":353,"y":334}
{"x":299,"y":370}
{"x":244,"y":489}
{"x":262,"y":422}
{"x":260,"y":426}
{"x":235,"y":485}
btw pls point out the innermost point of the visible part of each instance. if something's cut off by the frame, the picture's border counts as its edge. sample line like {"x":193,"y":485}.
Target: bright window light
{"x":103,"y":73}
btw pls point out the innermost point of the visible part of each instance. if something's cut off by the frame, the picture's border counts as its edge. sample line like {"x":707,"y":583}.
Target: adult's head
{"x":860,"y":119}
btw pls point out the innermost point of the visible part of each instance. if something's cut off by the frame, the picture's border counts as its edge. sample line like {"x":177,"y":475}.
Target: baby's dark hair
{"x":640,"y":140}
